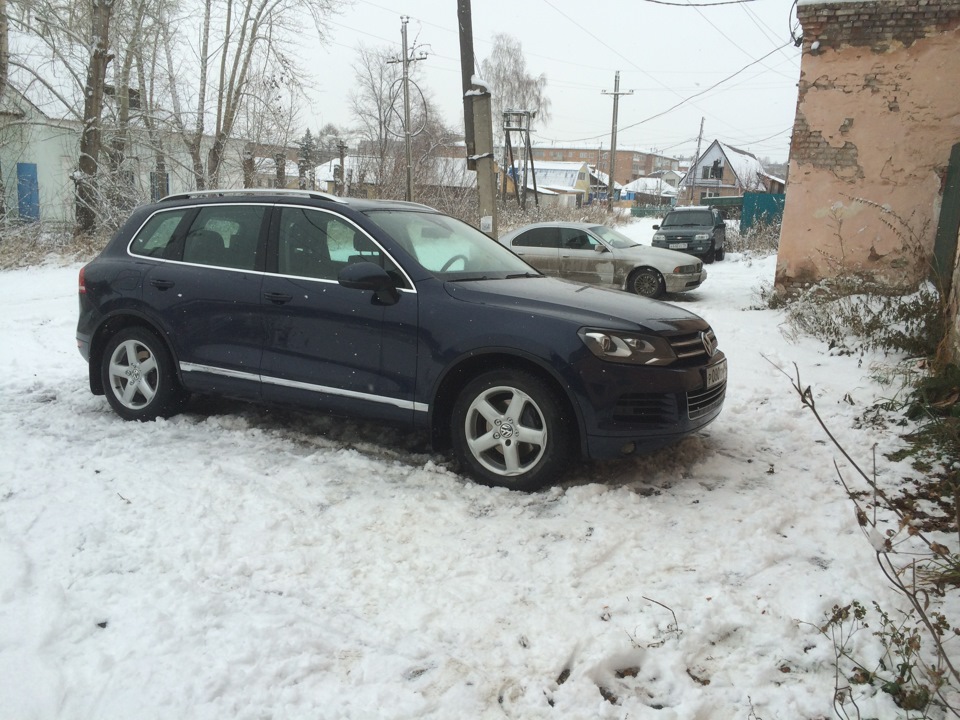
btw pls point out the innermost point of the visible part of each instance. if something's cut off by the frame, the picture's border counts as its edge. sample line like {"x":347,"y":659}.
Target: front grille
{"x":690,"y":348}
{"x":646,"y":409}
{"x":703,"y":402}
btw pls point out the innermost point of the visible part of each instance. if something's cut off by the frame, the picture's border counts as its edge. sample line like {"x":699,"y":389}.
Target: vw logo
{"x":709,"y":344}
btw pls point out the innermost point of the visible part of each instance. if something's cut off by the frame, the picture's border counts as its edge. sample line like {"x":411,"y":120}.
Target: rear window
{"x":156,"y":235}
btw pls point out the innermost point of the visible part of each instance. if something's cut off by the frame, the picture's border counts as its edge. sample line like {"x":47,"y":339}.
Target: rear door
{"x":540,"y":246}
{"x":327,"y":345}
{"x":206,"y":291}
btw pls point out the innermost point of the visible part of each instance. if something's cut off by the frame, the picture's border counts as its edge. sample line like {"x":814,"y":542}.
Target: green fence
{"x":650,"y":210}
{"x":758,"y":208}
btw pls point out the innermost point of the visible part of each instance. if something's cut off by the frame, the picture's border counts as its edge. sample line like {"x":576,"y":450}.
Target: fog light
{"x":629,"y":448}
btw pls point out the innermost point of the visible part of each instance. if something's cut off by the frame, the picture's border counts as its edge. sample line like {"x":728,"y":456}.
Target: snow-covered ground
{"x":244,"y":562}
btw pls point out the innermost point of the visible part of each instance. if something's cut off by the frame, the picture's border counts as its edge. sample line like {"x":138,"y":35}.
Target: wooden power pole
{"x":478,"y":124}
{"x":407,"y":134}
{"x":613,"y":134}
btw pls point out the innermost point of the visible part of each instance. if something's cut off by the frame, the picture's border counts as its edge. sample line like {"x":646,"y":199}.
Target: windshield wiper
{"x":468,"y":279}
{"x":524,"y":275}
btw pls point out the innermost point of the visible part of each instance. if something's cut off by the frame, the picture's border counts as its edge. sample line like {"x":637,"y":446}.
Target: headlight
{"x":701,"y":236}
{"x":659,"y":236}
{"x":625,"y":347}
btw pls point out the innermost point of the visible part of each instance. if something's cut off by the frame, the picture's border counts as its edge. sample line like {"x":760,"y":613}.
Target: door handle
{"x":162,"y":284}
{"x":278,"y":298}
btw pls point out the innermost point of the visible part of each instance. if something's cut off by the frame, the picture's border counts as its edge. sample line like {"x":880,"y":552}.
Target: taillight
{"x":83,"y":286}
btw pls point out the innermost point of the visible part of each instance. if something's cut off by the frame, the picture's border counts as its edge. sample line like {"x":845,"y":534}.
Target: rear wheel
{"x":138,"y":376}
{"x":510,"y":430}
{"x":647,"y":282}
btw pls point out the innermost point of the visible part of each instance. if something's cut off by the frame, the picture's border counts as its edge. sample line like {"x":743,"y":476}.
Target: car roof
{"x":201,"y":197}
{"x":687,"y":208}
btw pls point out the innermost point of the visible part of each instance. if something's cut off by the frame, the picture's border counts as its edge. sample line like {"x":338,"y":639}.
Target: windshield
{"x":613,"y":238}
{"x":449,"y":248}
{"x":697,"y":217}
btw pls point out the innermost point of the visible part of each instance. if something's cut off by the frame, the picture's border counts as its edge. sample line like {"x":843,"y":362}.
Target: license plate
{"x":716,"y":374}
{"x":678,"y":246}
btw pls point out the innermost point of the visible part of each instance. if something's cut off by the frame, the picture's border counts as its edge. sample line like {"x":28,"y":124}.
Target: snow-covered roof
{"x":745,"y":165}
{"x":604,"y":178}
{"x":650,"y":186}
{"x":560,"y":176}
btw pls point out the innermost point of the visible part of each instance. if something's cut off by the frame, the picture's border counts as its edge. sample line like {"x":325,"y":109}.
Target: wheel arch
{"x":110,"y":327}
{"x":464,"y":370}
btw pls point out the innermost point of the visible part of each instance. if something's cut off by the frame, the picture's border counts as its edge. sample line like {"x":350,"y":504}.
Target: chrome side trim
{"x":240,"y":375}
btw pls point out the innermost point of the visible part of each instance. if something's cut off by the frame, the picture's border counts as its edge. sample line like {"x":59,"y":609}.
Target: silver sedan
{"x":599,"y":255}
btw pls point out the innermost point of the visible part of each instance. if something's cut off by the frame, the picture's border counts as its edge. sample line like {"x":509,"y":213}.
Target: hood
{"x":685,"y":230}
{"x":582,"y":305}
{"x":653,"y":254}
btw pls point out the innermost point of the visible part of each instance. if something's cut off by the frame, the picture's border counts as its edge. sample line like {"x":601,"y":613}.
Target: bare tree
{"x":4,"y":49}
{"x":511,"y":86}
{"x":87,"y":200}
{"x":239,"y":48}
{"x":378,"y":108}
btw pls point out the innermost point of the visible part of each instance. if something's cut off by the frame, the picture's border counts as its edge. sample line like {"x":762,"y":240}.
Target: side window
{"x":157,"y":234}
{"x":542,"y":237}
{"x":225,"y":236}
{"x":573,"y":239}
{"x":317,"y":244}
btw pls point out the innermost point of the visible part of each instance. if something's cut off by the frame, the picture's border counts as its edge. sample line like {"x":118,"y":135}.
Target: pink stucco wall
{"x":877,"y":114}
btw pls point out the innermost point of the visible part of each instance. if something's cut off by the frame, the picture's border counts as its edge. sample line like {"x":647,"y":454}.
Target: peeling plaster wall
{"x":877,"y":113}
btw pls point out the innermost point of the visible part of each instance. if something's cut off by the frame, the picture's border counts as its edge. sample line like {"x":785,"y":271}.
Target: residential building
{"x":725,"y":171}
{"x":630,"y":163}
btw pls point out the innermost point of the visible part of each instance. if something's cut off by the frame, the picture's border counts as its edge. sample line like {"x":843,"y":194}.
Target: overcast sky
{"x":667,"y":55}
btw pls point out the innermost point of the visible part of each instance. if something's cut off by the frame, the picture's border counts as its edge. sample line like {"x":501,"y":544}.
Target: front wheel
{"x":510,"y":429}
{"x":646,"y":282}
{"x":138,"y":376}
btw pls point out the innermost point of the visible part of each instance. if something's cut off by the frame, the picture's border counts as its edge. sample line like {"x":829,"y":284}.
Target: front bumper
{"x":683,"y":281}
{"x":629,"y":408}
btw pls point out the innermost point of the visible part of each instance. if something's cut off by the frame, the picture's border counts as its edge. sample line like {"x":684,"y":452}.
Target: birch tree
{"x":512,"y":87}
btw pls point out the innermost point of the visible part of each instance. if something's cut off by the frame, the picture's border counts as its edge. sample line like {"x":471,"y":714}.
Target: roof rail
{"x":226,"y":192}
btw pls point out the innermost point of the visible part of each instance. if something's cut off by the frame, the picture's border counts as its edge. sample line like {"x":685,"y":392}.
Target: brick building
{"x":629,"y":165}
{"x":877,"y":115}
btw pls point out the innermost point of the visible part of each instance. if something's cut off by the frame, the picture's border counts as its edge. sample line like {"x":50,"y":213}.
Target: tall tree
{"x":4,"y":48}
{"x":511,"y":85}
{"x":378,"y":107}
{"x":87,"y":199}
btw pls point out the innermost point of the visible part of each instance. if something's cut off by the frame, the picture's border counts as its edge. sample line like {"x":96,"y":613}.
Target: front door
{"x":327,"y":345}
{"x":584,"y":259}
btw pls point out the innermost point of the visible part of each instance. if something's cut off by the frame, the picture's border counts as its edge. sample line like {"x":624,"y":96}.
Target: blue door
{"x":28,"y":191}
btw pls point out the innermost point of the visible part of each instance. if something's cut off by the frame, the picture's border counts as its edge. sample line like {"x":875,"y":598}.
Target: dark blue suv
{"x":394,"y":312}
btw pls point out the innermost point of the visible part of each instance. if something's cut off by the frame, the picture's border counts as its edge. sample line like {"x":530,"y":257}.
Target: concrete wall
{"x":877,"y":114}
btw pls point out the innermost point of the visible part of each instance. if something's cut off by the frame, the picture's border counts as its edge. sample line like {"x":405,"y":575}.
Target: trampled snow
{"x":245,"y":562}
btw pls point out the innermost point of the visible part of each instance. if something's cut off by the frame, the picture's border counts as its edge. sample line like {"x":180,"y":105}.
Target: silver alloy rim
{"x":647,"y":284}
{"x":134,"y":374}
{"x":506,"y":431}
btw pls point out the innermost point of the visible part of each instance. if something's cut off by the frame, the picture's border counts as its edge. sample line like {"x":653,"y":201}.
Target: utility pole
{"x":478,"y":125}
{"x":613,"y":134}
{"x":406,"y":60}
{"x":342,"y":147}
{"x":693,"y":168}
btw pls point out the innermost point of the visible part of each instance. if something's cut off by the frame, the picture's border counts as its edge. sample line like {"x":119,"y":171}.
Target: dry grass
{"x":25,"y":245}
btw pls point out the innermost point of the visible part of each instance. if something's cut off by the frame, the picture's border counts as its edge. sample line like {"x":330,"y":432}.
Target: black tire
{"x":492,"y":416}
{"x":722,"y":252}
{"x":138,"y":376}
{"x":646,"y":282}
{"x":711,"y":255}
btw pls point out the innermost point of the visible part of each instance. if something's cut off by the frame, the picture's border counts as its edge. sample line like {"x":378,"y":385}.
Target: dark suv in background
{"x":697,"y":230}
{"x":394,"y":312}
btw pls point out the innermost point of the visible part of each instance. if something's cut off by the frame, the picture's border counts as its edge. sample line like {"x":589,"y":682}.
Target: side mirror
{"x":656,"y":227}
{"x":370,"y":276}
{"x":600,"y":248}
